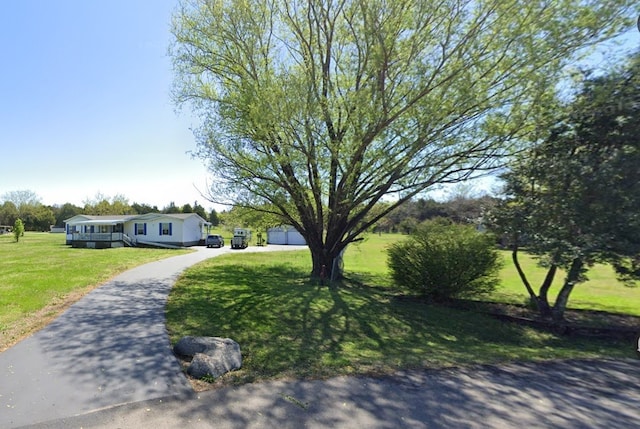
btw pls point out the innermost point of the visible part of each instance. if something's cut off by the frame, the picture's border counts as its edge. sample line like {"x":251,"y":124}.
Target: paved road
{"x":570,"y":394}
{"x":107,"y":363}
{"x":109,"y":348}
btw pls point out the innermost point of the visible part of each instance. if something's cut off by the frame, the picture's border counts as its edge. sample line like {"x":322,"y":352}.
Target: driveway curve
{"x":109,"y":348}
{"x":107,"y":363}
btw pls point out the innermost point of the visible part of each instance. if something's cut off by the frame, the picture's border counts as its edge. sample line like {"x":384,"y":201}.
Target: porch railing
{"x":97,"y":236}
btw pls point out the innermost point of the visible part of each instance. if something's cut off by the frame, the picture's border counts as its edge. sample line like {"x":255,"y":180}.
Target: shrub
{"x":441,"y":261}
{"x":18,"y":229}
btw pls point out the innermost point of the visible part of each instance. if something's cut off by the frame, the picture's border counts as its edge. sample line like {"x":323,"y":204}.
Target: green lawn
{"x":41,"y":271}
{"x":288,"y":326}
{"x":601,"y":292}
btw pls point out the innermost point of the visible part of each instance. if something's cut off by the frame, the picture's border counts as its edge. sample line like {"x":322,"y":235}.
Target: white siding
{"x":296,"y":239}
{"x":276,"y":237}
{"x":285,"y":235}
{"x":191,"y":230}
{"x":185,"y":230}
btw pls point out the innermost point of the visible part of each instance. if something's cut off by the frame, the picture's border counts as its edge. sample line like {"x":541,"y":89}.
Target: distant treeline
{"x":25,"y":205}
{"x":459,"y":209}
{"x":39,"y":217}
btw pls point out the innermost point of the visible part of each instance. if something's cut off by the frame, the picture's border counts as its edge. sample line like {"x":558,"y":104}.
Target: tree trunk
{"x":523,"y":277}
{"x":325,"y":261}
{"x":563,"y":296}
{"x":541,"y":301}
{"x":543,"y":296}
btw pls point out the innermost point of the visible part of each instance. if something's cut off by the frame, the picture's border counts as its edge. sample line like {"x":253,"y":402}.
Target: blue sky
{"x":85,"y":104}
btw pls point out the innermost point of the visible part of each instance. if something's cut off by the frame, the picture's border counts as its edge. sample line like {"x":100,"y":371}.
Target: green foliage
{"x":102,"y":205}
{"x":320,"y":109}
{"x":602,"y":292}
{"x":37,"y":217}
{"x":171,"y":208}
{"x":8,"y":213}
{"x":460,"y":208}
{"x":18,"y":229}
{"x":199,"y":210}
{"x":574,"y":199}
{"x":26,"y":205}
{"x":441,"y":261}
{"x":257,"y":219}
{"x":64,"y":212}
{"x":214,"y":218}
{"x":144,"y":208}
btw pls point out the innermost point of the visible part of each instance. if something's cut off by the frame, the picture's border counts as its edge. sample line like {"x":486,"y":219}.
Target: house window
{"x":141,"y":228}
{"x":165,"y":228}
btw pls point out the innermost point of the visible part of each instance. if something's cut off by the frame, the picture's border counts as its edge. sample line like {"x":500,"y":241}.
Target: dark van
{"x":215,"y":241}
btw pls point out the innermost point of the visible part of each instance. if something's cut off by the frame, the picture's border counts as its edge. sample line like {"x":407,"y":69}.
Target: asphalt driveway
{"x":107,"y":363}
{"x":565,"y":394}
{"x":109,"y":348}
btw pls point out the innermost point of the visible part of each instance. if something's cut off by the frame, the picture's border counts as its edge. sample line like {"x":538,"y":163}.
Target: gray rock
{"x":212,"y":356}
{"x":189,"y":346}
{"x":205,"y":365}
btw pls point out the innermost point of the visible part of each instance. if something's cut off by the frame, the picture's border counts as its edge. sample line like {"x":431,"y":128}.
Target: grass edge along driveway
{"x":289,"y":327}
{"x":40,"y":276}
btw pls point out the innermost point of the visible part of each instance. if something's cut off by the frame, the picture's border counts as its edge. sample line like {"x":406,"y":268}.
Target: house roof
{"x":97,"y":220}
{"x":115,"y":219}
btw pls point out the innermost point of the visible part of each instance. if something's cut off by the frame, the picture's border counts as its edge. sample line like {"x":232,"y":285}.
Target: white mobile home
{"x":152,"y":229}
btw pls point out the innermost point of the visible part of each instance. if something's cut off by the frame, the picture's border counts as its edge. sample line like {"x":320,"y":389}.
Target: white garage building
{"x":285,"y":234}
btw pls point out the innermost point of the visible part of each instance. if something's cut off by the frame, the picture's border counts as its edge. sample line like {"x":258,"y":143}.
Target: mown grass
{"x":602,"y":291}
{"x":288,"y":326}
{"x":40,"y":271}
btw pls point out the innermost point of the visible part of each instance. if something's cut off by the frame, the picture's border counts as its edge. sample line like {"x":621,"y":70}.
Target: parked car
{"x":215,"y":241}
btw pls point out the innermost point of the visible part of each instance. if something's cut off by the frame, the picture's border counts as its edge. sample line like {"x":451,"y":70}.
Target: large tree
{"x":102,"y":205}
{"x":64,"y":212}
{"x":26,"y":206}
{"x":21,"y":198}
{"x":315,"y":110}
{"x":8,"y":213}
{"x":574,"y":199}
{"x":37,"y":217}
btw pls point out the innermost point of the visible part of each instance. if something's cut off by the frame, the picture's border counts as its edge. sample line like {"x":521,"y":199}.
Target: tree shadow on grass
{"x":288,"y":325}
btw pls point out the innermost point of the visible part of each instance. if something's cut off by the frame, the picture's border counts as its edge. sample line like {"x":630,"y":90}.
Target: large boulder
{"x":211,"y":356}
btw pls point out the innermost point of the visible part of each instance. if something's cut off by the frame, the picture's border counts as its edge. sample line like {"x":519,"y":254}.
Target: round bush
{"x":442,"y":261}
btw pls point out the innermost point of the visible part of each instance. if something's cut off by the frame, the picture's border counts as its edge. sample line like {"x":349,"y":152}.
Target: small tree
{"x":18,"y":229}
{"x":574,"y":199}
{"x":442,"y":260}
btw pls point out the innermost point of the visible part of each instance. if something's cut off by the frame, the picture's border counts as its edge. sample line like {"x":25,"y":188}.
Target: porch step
{"x":128,"y":241}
